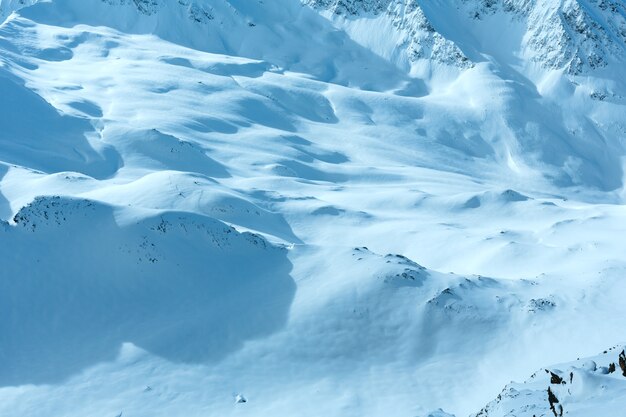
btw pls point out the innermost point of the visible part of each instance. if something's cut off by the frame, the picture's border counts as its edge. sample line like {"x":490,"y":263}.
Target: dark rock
{"x":555,"y":379}
{"x":556,"y":408}
{"x":612,"y":367}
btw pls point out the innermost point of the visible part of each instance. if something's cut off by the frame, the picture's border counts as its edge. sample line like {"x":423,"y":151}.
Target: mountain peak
{"x":576,"y":36}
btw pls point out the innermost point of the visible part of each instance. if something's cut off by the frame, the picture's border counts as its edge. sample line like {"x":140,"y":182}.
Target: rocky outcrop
{"x":576,"y":36}
{"x":555,"y":407}
{"x":421,"y":39}
{"x":549,"y":394}
{"x":197,"y":12}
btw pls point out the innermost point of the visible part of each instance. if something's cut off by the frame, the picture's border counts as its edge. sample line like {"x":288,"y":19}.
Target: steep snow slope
{"x":574,"y":35}
{"x":142,"y":141}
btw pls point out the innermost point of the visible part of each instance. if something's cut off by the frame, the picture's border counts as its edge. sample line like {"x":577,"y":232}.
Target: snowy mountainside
{"x":350,"y":208}
{"x":417,"y":40}
{"x":509,"y":126}
{"x":576,"y":35}
{"x":586,"y":387}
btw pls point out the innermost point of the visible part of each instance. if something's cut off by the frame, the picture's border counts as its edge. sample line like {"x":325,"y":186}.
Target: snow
{"x":581,"y":389}
{"x":216,"y":208}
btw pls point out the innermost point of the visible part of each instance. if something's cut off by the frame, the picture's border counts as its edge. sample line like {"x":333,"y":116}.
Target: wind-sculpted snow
{"x":79,"y":280}
{"x":31,"y":127}
{"x":339,"y":208}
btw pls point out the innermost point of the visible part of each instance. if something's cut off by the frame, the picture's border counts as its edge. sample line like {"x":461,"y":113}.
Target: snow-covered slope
{"x":588,"y":387}
{"x":574,"y":35}
{"x":78,"y":283}
{"x":349,"y":208}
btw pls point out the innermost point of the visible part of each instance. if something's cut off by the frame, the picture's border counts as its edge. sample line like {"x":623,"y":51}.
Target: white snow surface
{"x":303,"y":208}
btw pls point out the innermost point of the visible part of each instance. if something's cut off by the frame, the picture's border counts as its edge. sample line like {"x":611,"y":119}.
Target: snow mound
{"x":182,"y":286}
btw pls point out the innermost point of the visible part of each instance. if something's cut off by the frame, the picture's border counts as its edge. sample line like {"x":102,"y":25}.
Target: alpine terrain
{"x":339,"y":208}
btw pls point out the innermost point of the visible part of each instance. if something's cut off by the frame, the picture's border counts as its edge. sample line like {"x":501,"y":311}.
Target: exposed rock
{"x":556,"y":408}
{"x":422,"y":40}
{"x":574,"y":35}
{"x":555,"y":379}
{"x":611,"y":367}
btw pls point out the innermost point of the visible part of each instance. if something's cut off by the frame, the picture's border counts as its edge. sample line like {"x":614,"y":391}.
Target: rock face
{"x":148,"y":7}
{"x":198,"y":12}
{"x":555,"y":407}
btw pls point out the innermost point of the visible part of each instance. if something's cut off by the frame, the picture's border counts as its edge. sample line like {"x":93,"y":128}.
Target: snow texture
{"x":302,"y":208}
